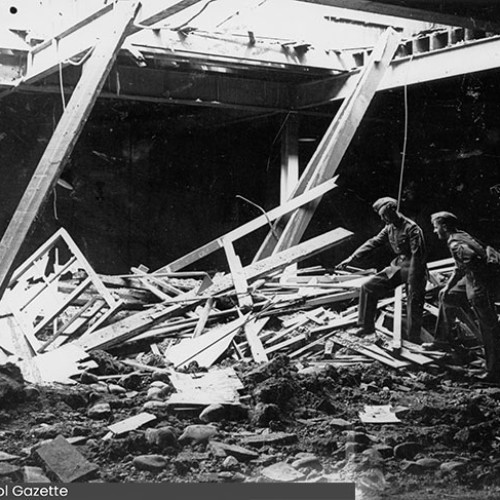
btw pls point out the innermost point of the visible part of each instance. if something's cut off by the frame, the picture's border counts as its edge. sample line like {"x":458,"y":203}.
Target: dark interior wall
{"x":151,"y":183}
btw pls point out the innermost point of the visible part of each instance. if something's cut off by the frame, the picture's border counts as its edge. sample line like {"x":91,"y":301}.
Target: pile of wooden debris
{"x":58,"y":309}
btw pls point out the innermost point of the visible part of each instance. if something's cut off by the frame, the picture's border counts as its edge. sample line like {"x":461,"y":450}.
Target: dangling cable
{"x":403,"y":153}
{"x":405,"y":140}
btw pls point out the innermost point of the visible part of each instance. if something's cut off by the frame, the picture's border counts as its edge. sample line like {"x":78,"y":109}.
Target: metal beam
{"x":453,"y":61}
{"x":428,"y":16}
{"x":261,"y":52}
{"x":63,"y":140}
{"x":83,"y":35}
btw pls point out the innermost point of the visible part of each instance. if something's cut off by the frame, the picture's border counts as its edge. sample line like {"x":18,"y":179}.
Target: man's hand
{"x":342,"y":265}
{"x":443,"y":293}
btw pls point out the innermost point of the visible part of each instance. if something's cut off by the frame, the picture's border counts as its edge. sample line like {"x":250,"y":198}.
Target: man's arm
{"x":462,"y":254}
{"x":368,"y":246}
{"x":418,"y":252}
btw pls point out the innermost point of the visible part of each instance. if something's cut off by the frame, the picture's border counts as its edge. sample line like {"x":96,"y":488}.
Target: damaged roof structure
{"x":180,"y":179}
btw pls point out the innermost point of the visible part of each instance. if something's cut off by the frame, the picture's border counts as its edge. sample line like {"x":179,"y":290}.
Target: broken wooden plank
{"x":286,"y":343}
{"x":327,"y":331}
{"x":64,"y":461}
{"x":332,"y":147}
{"x":397,"y":337}
{"x":217,"y":386}
{"x":61,"y":364}
{"x":66,"y":134}
{"x":249,"y":227}
{"x":207,"y":348}
{"x":202,"y":321}
{"x":371,"y":351}
{"x":238,"y":275}
{"x":138,"y":323}
{"x":131,"y":423}
{"x":252,"y":329}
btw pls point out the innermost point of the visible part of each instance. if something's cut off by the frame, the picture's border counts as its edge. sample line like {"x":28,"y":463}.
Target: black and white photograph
{"x":250,"y":248}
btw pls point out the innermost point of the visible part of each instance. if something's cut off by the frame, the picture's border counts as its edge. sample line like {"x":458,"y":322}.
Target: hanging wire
{"x":61,"y":86}
{"x":403,"y":153}
{"x":405,"y":141}
{"x":276,"y":137}
{"x":56,"y":217}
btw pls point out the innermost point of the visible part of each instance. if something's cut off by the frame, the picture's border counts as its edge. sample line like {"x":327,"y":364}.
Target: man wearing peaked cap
{"x":383,"y":202}
{"x":406,"y":240}
{"x":473,"y":282}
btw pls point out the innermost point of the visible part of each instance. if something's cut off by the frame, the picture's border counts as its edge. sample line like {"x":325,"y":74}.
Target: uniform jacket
{"x":470,"y":257}
{"x":406,"y":241}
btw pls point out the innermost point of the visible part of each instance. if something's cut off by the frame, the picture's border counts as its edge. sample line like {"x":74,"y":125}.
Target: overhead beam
{"x":428,"y":16}
{"x":46,"y":57}
{"x":63,"y":139}
{"x":332,"y":147}
{"x":240,"y":49}
{"x":456,"y":60}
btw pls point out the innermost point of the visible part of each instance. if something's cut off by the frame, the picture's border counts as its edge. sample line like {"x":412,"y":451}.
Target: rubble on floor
{"x":196,"y":382}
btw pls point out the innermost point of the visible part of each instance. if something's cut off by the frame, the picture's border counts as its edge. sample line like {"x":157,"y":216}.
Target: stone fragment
{"x":151,"y":463}
{"x":155,"y":406}
{"x":163,"y":437}
{"x":64,"y":461}
{"x":240,"y":453}
{"x":452,"y":466}
{"x":271,"y":438}
{"x":230,"y":463}
{"x":407,"y":450}
{"x":429,"y":463}
{"x":340,"y":423}
{"x":9,"y":470}
{"x":197,"y":433}
{"x":213,"y":413}
{"x":282,"y":472}
{"x":307,"y":462}
{"x":100,"y":411}
{"x":34,"y":475}
{"x":412,"y":468}
{"x":263,"y":413}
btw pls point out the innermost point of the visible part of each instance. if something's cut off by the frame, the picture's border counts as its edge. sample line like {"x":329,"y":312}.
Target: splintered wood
{"x":193,"y":320}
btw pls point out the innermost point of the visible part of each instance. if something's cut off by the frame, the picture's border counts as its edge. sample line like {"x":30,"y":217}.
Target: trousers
{"x":472,"y":292}
{"x":380,"y":286}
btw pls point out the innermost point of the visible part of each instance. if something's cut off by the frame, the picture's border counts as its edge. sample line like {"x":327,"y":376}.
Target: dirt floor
{"x":293,"y":424}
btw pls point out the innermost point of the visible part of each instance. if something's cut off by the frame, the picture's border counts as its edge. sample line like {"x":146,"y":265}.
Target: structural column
{"x":65,"y":136}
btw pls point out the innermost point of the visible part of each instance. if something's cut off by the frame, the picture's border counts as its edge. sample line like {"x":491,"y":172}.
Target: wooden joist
{"x":247,"y":228}
{"x":252,"y":330}
{"x":66,"y":134}
{"x":138,"y":323}
{"x":332,"y":147}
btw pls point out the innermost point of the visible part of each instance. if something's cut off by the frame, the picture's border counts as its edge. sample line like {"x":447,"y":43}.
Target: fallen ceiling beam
{"x":456,"y":60}
{"x":332,"y":147}
{"x":428,"y":16}
{"x":63,"y":140}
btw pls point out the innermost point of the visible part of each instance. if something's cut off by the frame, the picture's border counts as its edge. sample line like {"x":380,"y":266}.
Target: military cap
{"x":444,"y":217}
{"x":384,"y":202}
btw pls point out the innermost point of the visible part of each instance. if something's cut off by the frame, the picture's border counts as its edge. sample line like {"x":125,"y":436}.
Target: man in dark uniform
{"x":471,"y":283}
{"x":409,"y":266}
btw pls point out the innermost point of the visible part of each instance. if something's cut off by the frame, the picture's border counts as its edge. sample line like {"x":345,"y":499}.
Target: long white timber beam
{"x":77,"y":40}
{"x":46,"y":57}
{"x":261,"y":52}
{"x":415,"y":14}
{"x":470,"y":57}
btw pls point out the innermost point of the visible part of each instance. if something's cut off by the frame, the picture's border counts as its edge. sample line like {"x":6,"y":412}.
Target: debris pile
{"x":251,"y":376}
